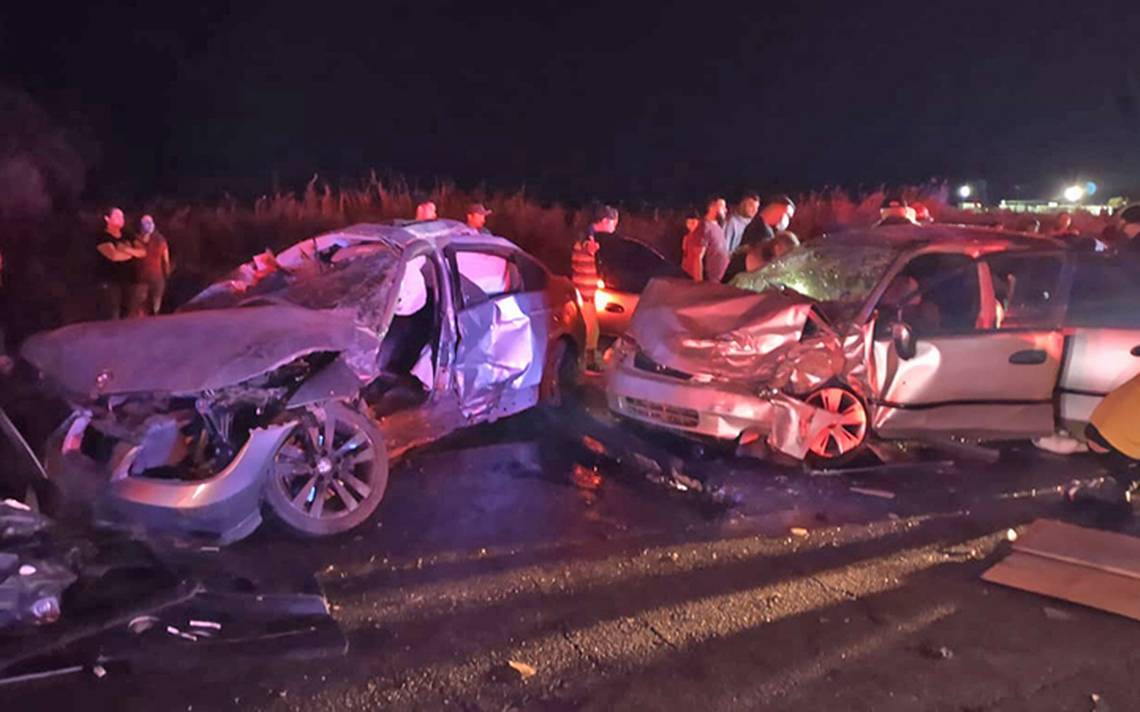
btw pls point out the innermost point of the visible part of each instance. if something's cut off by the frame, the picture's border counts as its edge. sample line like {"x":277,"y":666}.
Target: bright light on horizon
{"x":965,"y":191}
{"x":1073,"y":193}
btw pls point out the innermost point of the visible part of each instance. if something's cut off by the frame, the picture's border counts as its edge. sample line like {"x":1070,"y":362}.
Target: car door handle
{"x":1029,"y":357}
{"x":1135,"y":351}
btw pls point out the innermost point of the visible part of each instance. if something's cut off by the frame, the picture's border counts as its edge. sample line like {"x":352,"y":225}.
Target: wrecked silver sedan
{"x":295,"y":380}
{"x":902,"y":332}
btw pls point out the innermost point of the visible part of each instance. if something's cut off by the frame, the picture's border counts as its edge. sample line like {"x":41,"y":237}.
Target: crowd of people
{"x":132,"y":269}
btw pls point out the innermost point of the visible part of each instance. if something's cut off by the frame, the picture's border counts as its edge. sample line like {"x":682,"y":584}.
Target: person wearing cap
{"x":895,"y":211}
{"x":738,"y":221}
{"x":584,"y":274}
{"x":477,"y":217}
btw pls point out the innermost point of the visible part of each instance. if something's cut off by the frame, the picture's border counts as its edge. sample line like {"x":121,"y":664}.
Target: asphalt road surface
{"x":786,"y":591}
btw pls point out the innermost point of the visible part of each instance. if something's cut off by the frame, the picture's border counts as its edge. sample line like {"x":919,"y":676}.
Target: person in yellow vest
{"x":584,"y":273}
{"x":1114,"y":433}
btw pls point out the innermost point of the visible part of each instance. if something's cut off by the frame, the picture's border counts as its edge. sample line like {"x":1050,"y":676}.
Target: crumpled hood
{"x":195,"y":351}
{"x":715,"y":329}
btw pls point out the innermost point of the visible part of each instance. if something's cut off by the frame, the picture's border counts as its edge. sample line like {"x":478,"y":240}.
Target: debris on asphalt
{"x":936,"y":652}
{"x":511,"y":671}
{"x":1011,"y":534}
{"x":1094,"y":568}
{"x":1056,"y":614}
{"x":525,"y":671}
{"x":798,"y":531}
{"x":99,"y":671}
{"x":881,"y":494}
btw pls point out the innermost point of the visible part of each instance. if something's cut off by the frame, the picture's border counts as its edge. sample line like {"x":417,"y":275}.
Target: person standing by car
{"x":154,"y":268}
{"x":425,"y":208}
{"x":704,"y":253}
{"x":117,"y":265}
{"x":477,"y":218}
{"x":584,"y":274}
{"x":738,"y":221}
{"x":1064,"y":226}
{"x":775,"y":217}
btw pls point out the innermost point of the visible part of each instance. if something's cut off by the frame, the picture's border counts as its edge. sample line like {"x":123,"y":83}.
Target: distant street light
{"x":965,"y":191}
{"x":1073,"y":193}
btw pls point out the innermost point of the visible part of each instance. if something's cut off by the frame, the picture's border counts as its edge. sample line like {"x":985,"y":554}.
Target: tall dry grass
{"x":48,"y":263}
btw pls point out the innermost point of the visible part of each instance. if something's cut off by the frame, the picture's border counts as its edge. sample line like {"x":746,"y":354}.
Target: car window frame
{"x":1063,"y":287}
{"x":457,"y":278}
{"x":900,"y":265}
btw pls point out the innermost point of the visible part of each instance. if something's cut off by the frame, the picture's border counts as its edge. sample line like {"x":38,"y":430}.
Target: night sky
{"x":583,"y":99}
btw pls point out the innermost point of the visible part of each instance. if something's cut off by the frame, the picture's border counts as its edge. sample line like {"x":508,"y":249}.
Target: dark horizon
{"x":589,"y":101}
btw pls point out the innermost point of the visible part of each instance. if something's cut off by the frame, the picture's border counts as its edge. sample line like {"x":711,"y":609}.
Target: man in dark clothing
{"x":775,"y":217}
{"x":153,"y":269}
{"x":117,"y":265}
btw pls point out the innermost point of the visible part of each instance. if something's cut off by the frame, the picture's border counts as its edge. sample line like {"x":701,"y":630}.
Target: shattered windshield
{"x":824,"y":270}
{"x":360,"y":281}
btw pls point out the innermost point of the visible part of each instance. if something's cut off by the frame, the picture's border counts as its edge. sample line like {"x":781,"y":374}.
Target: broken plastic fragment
{"x":525,"y":671}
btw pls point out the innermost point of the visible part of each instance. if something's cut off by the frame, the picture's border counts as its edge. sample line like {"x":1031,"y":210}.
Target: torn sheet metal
{"x":500,"y":351}
{"x":709,"y":328}
{"x":195,"y":351}
{"x":795,"y":425}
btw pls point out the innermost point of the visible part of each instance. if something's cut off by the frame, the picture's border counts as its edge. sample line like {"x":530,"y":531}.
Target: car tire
{"x":845,"y":441}
{"x":320,"y":487}
{"x":560,"y":375}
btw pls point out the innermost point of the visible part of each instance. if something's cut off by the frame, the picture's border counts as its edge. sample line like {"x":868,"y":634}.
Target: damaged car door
{"x":502,"y":326}
{"x":973,"y":349}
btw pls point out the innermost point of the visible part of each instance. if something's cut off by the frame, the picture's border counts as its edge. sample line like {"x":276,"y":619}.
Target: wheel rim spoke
{"x":303,"y":495}
{"x":292,"y":470}
{"x":330,"y":432}
{"x":318,"y":503}
{"x":350,"y":502}
{"x":351,"y":444}
{"x":844,"y":440}
{"x":355,"y":483}
{"x":831,"y":399}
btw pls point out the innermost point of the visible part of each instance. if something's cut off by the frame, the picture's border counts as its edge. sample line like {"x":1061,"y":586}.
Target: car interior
{"x":410,"y":350}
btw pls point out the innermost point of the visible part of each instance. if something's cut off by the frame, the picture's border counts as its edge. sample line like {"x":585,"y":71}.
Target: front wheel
{"x":844,"y":439}
{"x":330,"y":473}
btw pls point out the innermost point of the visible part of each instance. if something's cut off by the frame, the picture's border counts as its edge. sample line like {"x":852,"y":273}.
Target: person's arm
{"x":119,"y":252}
{"x":167,"y":268}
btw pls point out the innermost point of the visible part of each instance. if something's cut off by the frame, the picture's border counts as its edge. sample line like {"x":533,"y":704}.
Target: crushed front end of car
{"x":713,"y":361}
{"x":176,"y":419}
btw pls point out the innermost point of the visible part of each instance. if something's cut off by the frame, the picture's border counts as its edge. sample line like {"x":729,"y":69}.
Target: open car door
{"x":503,"y":334}
{"x":1103,"y":326}
{"x":978,"y":349}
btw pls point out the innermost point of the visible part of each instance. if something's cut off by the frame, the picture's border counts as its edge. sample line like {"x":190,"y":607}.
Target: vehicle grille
{"x":671,"y":415}
{"x":644,"y":363}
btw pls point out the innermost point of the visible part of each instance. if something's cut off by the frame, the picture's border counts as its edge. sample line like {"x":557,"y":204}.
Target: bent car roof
{"x":440,"y":232}
{"x":903,"y":237}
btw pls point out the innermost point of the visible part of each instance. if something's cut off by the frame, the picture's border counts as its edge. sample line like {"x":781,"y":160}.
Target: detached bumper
{"x":225,"y":507}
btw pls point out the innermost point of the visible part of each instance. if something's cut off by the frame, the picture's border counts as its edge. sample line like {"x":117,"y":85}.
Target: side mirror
{"x":904,"y":339}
